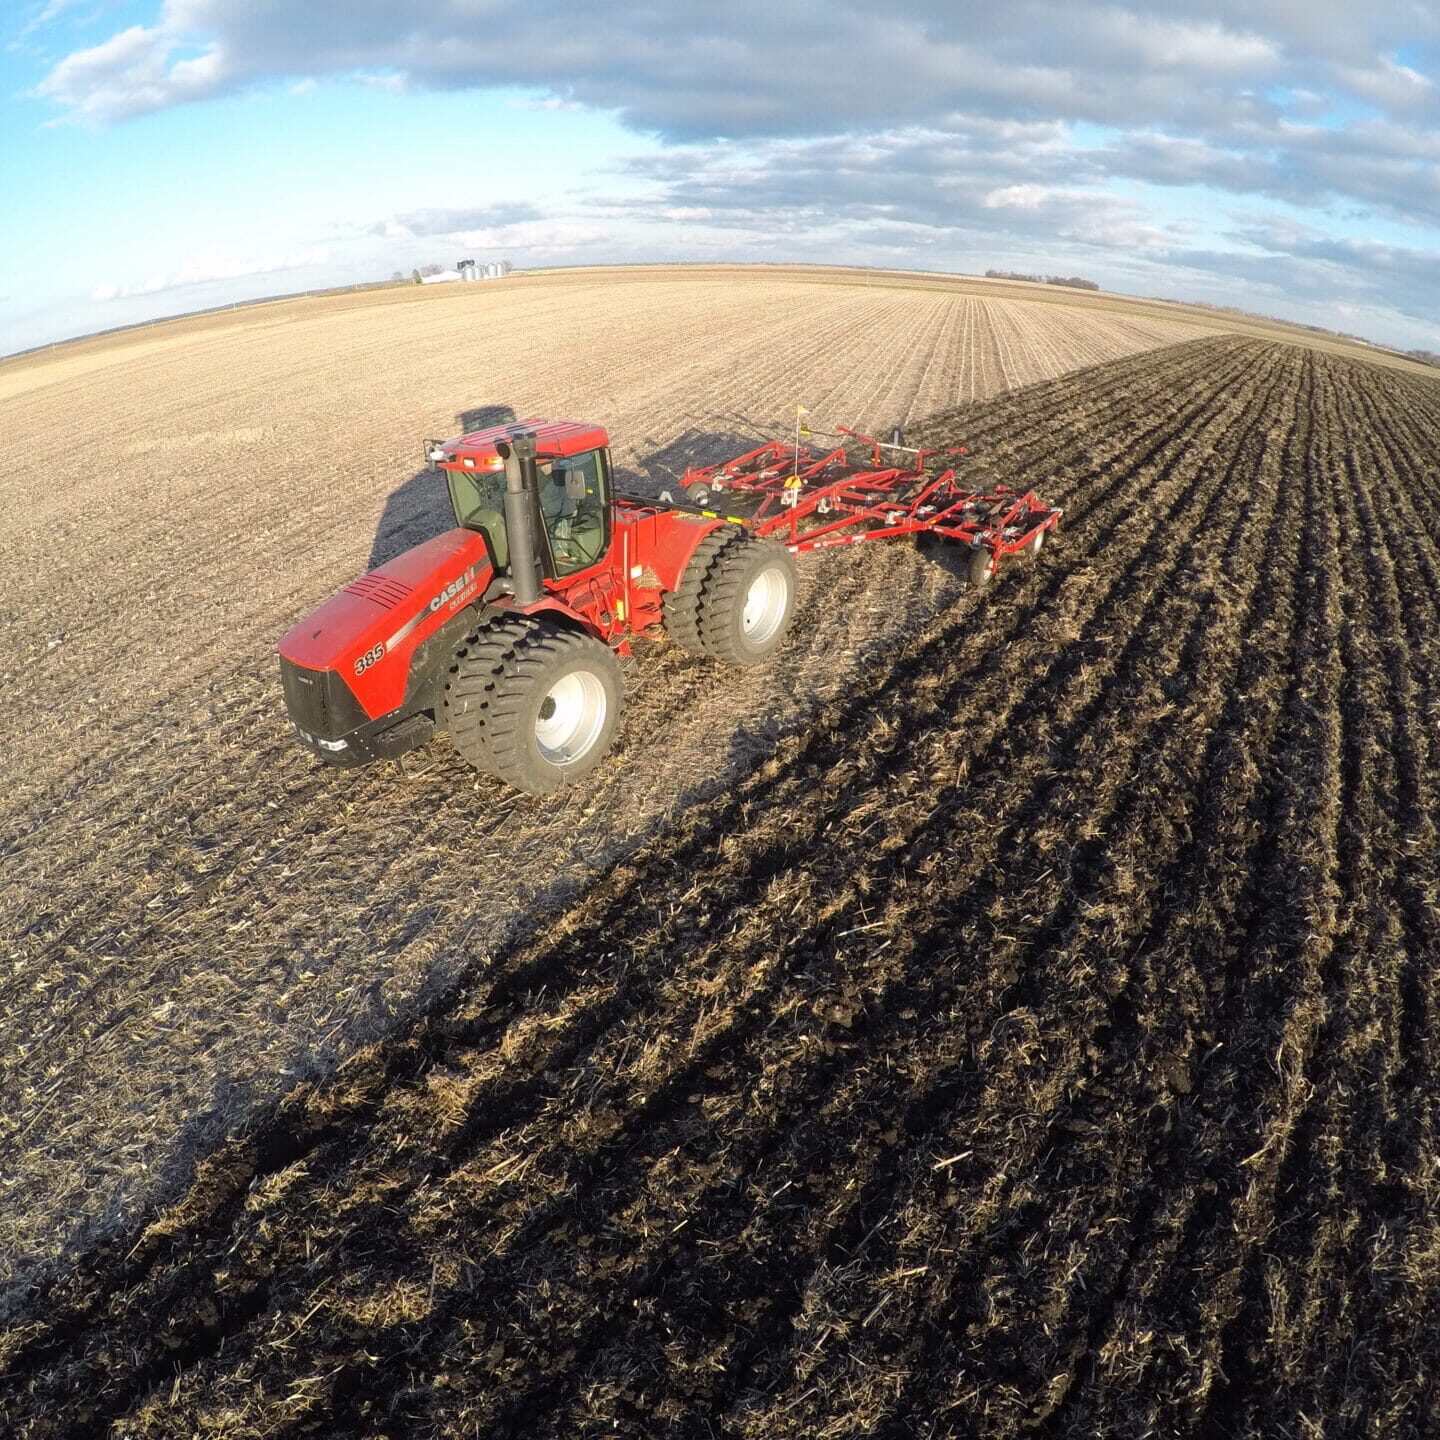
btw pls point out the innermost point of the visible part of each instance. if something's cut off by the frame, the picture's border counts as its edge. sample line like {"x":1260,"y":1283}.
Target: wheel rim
{"x":572,"y":718}
{"x":766,"y":603}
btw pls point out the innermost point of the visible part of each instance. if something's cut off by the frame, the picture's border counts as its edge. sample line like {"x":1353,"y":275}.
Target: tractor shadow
{"x":420,"y":508}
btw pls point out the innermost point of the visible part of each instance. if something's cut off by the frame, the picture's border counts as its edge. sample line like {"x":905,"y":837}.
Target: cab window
{"x":479,"y":500}
{"x":574,"y":510}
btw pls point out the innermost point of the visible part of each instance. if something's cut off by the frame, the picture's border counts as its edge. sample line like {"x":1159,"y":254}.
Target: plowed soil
{"x":195,"y":915}
{"x":1023,"y":1023}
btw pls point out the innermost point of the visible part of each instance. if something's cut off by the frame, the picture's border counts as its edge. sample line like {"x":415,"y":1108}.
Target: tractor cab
{"x":570,"y":516}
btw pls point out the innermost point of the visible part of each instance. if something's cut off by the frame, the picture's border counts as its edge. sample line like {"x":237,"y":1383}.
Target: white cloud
{"x":212,"y":268}
{"x":52,"y":11}
{"x":550,"y":102}
{"x":916,"y":126}
{"x":132,"y":73}
{"x":1383,"y":82}
{"x":1198,"y":46}
{"x":1019,"y":197}
{"x":388,"y":83}
{"x":764,"y":67}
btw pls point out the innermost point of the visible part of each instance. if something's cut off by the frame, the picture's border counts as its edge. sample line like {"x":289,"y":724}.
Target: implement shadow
{"x":662,"y":468}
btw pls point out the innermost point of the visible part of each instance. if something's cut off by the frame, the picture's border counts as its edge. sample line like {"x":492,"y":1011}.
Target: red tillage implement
{"x":507,"y":631}
{"x":813,"y":500}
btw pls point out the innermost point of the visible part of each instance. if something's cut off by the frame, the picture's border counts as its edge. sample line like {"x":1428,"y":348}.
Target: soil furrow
{"x":1017,"y":1017}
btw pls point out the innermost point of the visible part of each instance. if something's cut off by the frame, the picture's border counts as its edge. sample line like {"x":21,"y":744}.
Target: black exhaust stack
{"x":521,"y":486}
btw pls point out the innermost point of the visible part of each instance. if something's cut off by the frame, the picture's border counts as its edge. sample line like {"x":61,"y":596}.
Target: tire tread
{"x":722,"y":594}
{"x":682,"y":605}
{"x":492,"y":684}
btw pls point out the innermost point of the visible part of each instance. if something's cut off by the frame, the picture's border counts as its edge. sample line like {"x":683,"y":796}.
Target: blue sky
{"x":160,"y":156}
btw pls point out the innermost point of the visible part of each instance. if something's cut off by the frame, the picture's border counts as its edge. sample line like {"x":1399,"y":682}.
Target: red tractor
{"x":505,"y":630}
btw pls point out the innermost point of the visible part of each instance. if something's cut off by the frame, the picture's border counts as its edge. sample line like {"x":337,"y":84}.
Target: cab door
{"x":574,"y":499}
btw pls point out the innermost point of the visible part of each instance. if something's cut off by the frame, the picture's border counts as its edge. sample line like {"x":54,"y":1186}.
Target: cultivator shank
{"x":809,"y":499}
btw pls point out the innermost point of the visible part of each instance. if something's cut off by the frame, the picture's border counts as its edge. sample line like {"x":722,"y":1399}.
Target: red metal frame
{"x":811,"y":500}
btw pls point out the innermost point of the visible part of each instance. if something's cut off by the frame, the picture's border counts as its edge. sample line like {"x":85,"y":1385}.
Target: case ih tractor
{"x":505,"y":631}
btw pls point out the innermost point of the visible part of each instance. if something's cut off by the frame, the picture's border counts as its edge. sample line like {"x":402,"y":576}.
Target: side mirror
{"x":575,"y":487}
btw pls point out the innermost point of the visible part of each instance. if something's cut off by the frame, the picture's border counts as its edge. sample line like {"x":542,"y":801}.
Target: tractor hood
{"x":368,"y":631}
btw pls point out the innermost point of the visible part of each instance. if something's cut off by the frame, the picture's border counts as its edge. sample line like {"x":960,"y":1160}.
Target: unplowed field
{"x":1021,"y":1022}
{"x":194,"y":914}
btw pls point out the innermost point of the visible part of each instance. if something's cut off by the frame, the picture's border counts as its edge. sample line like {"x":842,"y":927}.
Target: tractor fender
{"x":552,"y":608}
{"x":663,"y":542}
{"x":430,"y":660}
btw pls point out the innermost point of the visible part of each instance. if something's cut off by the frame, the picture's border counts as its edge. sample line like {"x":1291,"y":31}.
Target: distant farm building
{"x":473,"y":270}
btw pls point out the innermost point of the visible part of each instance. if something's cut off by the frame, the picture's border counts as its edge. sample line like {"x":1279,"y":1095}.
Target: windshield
{"x":479,"y":500}
{"x":572,"y":505}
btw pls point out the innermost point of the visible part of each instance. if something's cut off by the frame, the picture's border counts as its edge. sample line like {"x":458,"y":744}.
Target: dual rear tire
{"x":537,"y":705}
{"x":533,"y":704}
{"x":736,"y":599}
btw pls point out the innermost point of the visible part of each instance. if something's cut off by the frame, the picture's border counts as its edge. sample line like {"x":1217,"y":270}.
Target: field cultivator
{"x":810,"y":499}
{"x":505,"y":630}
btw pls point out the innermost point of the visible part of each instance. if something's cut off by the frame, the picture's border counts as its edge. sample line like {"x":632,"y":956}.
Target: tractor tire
{"x":982,"y":567}
{"x":475,"y":667}
{"x":533,"y":704}
{"x":747,"y":601}
{"x":682,"y":605}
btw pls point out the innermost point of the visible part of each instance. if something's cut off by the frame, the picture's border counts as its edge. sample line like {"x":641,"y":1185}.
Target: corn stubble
{"x":1038,"y":1038}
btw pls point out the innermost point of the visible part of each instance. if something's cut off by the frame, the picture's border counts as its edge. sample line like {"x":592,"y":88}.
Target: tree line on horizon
{"x":1074,"y":282}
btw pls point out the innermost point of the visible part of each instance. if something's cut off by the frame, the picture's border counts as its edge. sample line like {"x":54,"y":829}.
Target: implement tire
{"x":747,"y":601}
{"x":682,"y":605}
{"x":533,"y":704}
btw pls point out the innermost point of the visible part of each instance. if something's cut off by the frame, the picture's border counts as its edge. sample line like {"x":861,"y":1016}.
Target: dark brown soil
{"x":1039,"y":1040}
{"x":194,"y":915}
